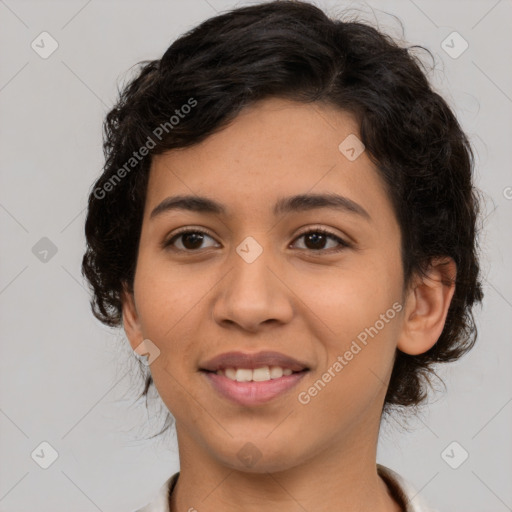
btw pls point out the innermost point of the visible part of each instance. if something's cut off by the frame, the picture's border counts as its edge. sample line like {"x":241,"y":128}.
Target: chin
{"x":252,"y":454}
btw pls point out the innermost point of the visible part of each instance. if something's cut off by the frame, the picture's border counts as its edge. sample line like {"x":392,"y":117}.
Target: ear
{"x":427,"y":303}
{"x":131,"y":322}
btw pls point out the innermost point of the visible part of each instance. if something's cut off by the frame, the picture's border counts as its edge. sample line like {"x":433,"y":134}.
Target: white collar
{"x":401,"y":486}
{"x":407,"y":493}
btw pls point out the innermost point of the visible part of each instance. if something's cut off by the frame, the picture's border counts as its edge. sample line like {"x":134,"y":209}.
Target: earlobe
{"x":131,"y":322}
{"x":427,"y":304}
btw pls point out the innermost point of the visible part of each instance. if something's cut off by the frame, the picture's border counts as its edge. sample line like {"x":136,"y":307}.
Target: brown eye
{"x":191,"y":240}
{"x":316,"y":239}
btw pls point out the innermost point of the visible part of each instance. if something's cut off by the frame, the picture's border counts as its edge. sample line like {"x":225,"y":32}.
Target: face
{"x":316,"y":282}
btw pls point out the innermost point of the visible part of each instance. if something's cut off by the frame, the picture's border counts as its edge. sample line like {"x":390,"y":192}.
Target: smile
{"x":252,"y":392}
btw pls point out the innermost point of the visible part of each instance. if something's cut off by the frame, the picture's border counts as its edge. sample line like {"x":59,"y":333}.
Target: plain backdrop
{"x":65,"y":379}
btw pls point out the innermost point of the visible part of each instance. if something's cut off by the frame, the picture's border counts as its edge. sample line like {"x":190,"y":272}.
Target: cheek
{"x":357,"y":357}
{"x":354,"y":313}
{"x":351,"y":297}
{"x":164,"y":294}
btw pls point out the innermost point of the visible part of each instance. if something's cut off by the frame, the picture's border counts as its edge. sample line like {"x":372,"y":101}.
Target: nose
{"x":253,"y":294}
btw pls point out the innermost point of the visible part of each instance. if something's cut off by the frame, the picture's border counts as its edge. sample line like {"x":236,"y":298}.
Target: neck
{"x":338,"y":479}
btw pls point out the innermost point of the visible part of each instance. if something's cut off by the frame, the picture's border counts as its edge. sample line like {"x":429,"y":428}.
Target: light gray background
{"x":62,"y":379}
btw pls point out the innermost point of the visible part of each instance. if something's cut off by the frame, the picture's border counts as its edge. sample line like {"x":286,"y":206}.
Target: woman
{"x":285,"y":228}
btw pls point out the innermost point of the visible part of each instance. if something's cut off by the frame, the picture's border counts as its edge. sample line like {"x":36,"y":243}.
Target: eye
{"x":316,"y":238}
{"x":191,"y":239}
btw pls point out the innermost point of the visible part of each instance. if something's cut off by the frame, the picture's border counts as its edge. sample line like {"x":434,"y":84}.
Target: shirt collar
{"x":400,"y":489}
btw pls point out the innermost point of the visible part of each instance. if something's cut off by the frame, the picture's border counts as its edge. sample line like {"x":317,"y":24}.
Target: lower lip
{"x":253,"y":393}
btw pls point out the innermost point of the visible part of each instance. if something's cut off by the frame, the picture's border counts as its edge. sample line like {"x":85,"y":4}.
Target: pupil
{"x":195,"y":238}
{"x":315,"y":238}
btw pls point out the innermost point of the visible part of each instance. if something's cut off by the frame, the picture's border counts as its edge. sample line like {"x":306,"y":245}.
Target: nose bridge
{"x":252,"y":293}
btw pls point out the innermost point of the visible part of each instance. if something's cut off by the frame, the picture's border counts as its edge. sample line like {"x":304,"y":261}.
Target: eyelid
{"x":320,"y":228}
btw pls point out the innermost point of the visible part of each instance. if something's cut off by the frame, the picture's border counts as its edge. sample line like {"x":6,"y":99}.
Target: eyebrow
{"x":292,"y":204}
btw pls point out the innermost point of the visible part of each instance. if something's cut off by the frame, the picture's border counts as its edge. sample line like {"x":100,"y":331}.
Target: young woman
{"x":285,"y":227}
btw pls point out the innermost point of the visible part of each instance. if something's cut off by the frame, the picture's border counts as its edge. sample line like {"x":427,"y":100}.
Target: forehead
{"x":272,"y":149}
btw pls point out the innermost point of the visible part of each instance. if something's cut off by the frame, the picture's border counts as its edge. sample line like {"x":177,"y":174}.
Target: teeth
{"x":243,"y":375}
{"x":258,"y":374}
{"x":230,"y":373}
{"x":276,"y":372}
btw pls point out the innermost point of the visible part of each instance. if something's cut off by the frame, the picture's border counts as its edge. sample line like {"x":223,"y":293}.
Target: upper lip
{"x":252,"y":361}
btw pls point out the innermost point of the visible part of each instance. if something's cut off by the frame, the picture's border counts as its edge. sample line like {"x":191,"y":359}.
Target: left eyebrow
{"x":297,"y":203}
{"x":304,"y":202}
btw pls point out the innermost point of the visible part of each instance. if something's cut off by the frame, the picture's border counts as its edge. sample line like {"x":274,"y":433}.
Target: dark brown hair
{"x":293,"y":50}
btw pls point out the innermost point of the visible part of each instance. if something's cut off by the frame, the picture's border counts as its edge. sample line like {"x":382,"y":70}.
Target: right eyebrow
{"x":189,"y":203}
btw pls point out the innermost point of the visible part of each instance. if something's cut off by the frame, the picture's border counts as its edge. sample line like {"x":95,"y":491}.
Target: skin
{"x":305,"y":302}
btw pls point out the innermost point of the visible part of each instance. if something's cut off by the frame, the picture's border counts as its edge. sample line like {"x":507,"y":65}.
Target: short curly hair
{"x":293,"y":50}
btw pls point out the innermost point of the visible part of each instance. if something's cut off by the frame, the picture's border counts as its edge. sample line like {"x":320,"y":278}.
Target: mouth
{"x":242,"y":387}
{"x":250,"y":379}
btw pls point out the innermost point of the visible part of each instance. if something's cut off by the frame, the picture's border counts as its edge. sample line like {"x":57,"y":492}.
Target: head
{"x":396,"y":273}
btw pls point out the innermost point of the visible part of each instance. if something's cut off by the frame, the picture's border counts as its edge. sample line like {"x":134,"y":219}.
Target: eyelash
{"x":343,"y":244}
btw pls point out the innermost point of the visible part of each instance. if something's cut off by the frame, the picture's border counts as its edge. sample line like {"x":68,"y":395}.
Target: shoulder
{"x":160,"y":502}
{"x":403,"y":491}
